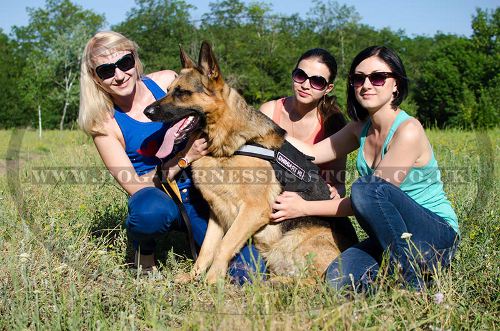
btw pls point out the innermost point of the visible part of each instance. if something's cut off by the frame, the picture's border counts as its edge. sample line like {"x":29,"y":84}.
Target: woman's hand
{"x":195,"y":149}
{"x":288,"y":205}
{"x":333,"y":192}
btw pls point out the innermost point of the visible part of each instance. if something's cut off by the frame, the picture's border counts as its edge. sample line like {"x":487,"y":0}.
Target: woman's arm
{"x":290,"y":205}
{"x":337,"y":145}
{"x":334,"y":173}
{"x":409,"y":147}
{"x":195,"y":149}
{"x":116,"y":160}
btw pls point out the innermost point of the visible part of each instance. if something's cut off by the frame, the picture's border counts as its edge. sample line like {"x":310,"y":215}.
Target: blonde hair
{"x":96,"y":105}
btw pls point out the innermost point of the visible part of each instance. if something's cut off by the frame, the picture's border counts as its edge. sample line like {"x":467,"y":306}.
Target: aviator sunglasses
{"x":376,"y":78}
{"x":317,"y":82}
{"x":107,"y":70}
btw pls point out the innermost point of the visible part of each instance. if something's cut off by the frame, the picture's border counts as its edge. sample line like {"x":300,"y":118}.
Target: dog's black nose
{"x":151,"y":111}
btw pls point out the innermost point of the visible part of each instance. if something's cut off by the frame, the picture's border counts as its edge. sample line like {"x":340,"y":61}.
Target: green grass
{"x":64,"y":253}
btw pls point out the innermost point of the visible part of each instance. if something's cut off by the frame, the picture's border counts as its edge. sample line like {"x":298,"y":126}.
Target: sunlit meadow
{"x":64,"y":255}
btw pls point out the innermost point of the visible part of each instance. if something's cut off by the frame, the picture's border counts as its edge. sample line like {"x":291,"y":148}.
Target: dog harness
{"x":293,"y":169}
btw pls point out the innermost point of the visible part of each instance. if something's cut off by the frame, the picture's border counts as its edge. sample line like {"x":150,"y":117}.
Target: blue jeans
{"x":385,"y":212}
{"x":152,"y":214}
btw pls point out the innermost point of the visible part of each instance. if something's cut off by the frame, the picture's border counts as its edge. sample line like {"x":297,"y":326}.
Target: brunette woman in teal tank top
{"x":399,"y":199}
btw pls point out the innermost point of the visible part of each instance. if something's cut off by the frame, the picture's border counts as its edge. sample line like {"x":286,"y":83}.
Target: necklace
{"x":311,"y":133}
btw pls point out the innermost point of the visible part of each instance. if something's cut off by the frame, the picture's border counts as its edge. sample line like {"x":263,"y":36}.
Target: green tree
{"x":53,"y":42}
{"x":486,"y":27}
{"x":11,"y":113}
{"x":158,"y":27}
{"x":334,"y":25}
{"x":457,"y":82}
{"x":485,"y":38}
{"x":256,"y":49}
{"x":441,"y":88}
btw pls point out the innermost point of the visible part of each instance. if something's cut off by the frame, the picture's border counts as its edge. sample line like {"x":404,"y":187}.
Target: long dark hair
{"x":331,"y":116}
{"x":354,"y":109}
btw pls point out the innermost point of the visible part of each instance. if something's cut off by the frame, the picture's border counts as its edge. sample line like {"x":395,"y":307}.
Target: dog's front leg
{"x":210,"y":244}
{"x":212,"y":241}
{"x":249,"y":220}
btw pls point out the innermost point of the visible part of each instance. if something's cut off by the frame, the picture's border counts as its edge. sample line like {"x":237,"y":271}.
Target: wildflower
{"x":406,"y":235}
{"x":438,"y":298}
{"x":24,"y":257}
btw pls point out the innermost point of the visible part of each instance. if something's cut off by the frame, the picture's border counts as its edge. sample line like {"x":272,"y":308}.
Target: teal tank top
{"x":422,"y":184}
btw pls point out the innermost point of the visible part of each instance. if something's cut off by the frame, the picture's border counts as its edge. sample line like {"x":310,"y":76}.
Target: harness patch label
{"x":293,"y":168}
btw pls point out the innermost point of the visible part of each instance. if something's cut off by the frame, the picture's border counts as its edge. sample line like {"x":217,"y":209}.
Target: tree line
{"x":453,"y":79}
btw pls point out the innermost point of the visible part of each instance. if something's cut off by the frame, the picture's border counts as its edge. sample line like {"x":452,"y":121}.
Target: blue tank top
{"x":422,"y":184}
{"x":142,"y":139}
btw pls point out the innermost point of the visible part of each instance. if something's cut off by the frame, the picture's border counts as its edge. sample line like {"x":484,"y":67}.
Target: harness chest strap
{"x":293,"y":169}
{"x":257,"y":151}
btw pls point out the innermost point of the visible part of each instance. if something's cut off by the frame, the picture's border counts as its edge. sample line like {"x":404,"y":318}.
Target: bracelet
{"x":183,"y":163}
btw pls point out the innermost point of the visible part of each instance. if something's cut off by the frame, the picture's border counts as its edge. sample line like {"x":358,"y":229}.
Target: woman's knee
{"x":336,"y":276}
{"x":151,"y":211}
{"x":366,"y":191}
{"x":340,"y":272}
{"x":350,"y":267}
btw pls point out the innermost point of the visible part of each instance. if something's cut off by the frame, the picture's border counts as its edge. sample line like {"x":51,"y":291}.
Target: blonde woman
{"x":114,"y":93}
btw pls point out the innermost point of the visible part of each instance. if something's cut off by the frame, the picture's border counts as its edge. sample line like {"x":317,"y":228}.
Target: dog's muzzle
{"x":152,"y":112}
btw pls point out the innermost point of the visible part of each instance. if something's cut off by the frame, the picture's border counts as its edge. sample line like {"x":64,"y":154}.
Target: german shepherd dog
{"x":239,"y":209}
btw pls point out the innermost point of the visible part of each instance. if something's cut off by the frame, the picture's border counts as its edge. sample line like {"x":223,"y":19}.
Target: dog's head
{"x":194,"y":95}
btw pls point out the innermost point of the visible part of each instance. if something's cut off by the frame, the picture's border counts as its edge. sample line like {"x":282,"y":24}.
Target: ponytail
{"x":332,"y":118}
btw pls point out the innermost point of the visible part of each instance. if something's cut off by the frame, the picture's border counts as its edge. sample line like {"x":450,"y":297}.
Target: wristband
{"x":183,"y":163}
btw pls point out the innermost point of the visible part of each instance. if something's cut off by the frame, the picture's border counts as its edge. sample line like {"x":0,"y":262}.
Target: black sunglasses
{"x":317,"y":82}
{"x":107,"y":70}
{"x":376,"y":78}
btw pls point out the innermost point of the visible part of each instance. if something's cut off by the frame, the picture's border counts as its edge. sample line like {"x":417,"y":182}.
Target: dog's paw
{"x":215,"y":273}
{"x":288,"y":280}
{"x":281,"y":280}
{"x":184,"y":278}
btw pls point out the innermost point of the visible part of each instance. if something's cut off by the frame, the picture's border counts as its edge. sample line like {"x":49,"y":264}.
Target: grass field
{"x":64,"y":253}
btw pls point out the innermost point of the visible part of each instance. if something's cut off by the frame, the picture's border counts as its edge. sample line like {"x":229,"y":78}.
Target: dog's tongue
{"x":168,"y":141}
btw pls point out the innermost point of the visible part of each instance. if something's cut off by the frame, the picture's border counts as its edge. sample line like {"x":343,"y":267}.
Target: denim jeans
{"x":152,"y":214}
{"x":385,"y":213}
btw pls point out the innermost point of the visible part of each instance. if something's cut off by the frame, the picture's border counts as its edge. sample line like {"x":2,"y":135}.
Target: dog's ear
{"x":208,"y":63}
{"x":185,"y":59}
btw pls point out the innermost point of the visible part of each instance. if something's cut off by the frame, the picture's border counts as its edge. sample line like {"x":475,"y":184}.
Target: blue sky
{"x":416,"y":17}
